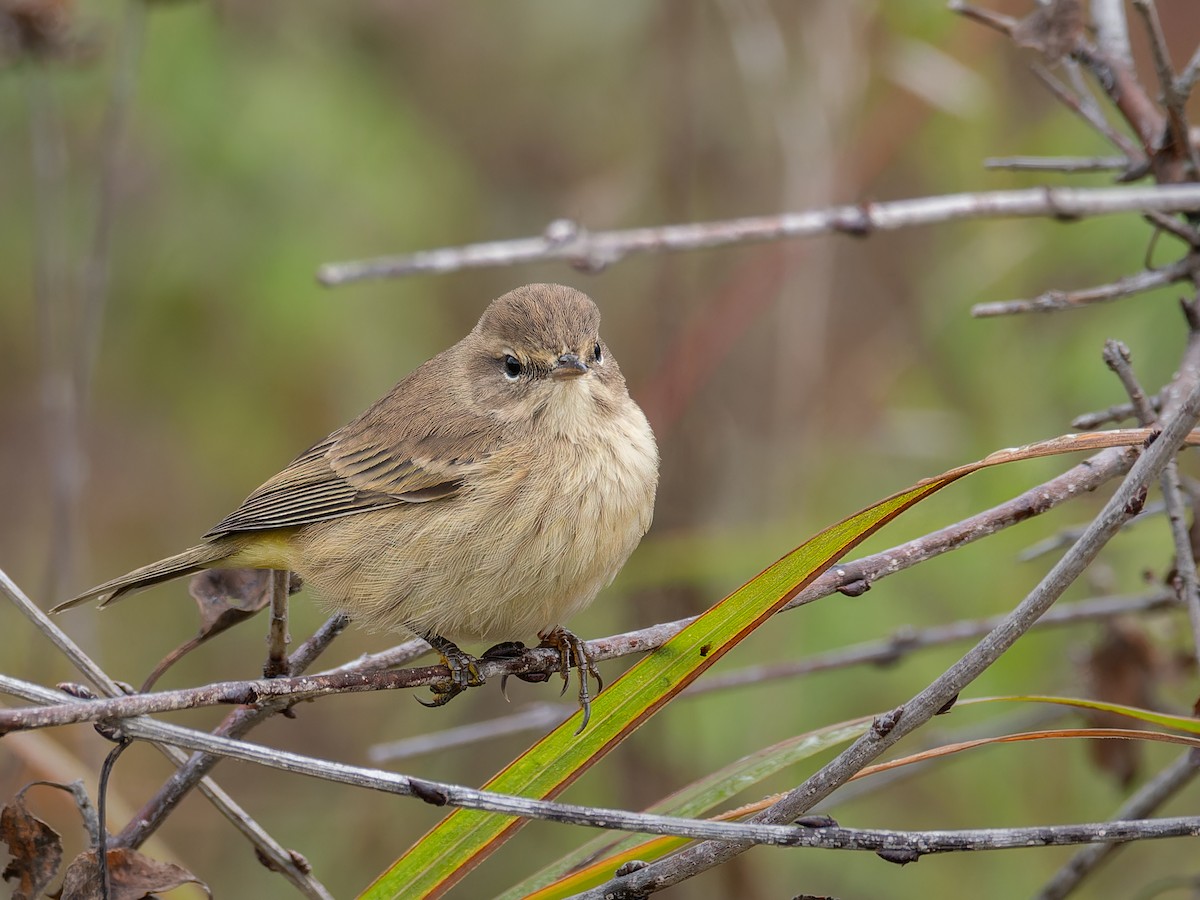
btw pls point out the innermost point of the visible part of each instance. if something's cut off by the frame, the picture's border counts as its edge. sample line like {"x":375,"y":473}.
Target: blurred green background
{"x":789,"y":384}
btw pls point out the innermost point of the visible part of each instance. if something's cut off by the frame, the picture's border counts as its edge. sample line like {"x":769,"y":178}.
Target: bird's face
{"x":536,"y":356}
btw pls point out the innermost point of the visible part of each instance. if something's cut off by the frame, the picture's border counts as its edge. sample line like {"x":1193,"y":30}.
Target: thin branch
{"x":1187,"y":78}
{"x":277,"y":636}
{"x":890,"y":728}
{"x":820,"y":832}
{"x":594,"y":251}
{"x":237,"y":724}
{"x":994,"y":20}
{"x":1088,"y":111}
{"x":1175,"y":228}
{"x":1184,"y":269}
{"x":1068,"y":164}
{"x":535,"y":717}
{"x":1117,"y":356}
{"x":1112,"y":30}
{"x":1067,"y":536}
{"x":1171,"y":99}
{"x":883,"y":652}
{"x":1149,"y":797}
{"x":903,"y":642}
{"x":279,"y":855}
{"x":1114,"y":414}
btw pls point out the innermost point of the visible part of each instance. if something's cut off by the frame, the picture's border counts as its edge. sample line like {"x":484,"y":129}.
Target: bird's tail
{"x":202,"y":556}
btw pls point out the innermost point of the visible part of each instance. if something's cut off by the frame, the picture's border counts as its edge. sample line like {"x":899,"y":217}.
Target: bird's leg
{"x":572,"y":650}
{"x":464,"y":671}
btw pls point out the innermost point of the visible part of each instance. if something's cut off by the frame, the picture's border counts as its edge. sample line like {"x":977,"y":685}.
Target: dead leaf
{"x":132,"y":876}
{"x":1053,"y":30}
{"x":225,"y":597}
{"x":1123,"y":668}
{"x":35,"y":847}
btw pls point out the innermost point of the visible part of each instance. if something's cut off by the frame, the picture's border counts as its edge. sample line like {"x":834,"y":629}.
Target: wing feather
{"x":397,"y":452}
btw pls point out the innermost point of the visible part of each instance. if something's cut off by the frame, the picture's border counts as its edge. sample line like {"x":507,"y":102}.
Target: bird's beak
{"x":569,"y":366}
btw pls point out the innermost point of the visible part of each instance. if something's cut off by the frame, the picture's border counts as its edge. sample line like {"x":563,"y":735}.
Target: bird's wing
{"x":388,"y":456}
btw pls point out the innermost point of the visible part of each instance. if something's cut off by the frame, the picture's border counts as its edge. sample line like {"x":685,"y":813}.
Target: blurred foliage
{"x":789,"y":384}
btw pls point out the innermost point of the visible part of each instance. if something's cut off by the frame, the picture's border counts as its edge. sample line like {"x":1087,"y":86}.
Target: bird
{"x":491,"y":494}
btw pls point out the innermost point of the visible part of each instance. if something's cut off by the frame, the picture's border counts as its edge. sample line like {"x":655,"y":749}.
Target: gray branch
{"x":1182,"y":270}
{"x":567,"y":241}
{"x":819,"y":832}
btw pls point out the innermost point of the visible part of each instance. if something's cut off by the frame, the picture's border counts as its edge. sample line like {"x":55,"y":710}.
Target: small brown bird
{"x":491,"y":494}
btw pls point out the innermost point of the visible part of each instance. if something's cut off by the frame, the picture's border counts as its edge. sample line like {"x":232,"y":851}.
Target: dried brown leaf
{"x":225,"y":597}
{"x":35,"y":847}
{"x":1123,"y":668}
{"x":1053,"y":30}
{"x":132,"y":876}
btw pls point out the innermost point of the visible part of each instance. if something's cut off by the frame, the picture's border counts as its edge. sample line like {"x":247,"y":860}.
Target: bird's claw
{"x":511,"y":650}
{"x":464,"y":672}
{"x":573,"y":652}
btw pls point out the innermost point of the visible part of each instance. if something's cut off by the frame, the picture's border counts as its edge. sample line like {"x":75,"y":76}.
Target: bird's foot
{"x":464,"y":672}
{"x":511,"y":650}
{"x":573,"y":652}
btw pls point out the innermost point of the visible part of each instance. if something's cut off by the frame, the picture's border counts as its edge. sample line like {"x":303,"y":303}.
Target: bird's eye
{"x":597,"y":353}
{"x":512,"y":368}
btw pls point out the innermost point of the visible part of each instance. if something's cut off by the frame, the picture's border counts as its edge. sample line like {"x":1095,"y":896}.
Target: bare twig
{"x":908,"y":640}
{"x":236,"y":724}
{"x":1117,"y":356}
{"x":593,"y":251}
{"x":1118,"y":412}
{"x":1187,"y":78}
{"x":277,"y":635}
{"x":535,"y":717}
{"x":1112,"y":30}
{"x":1088,"y":111}
{"x":888,"y":729}
{"x":1067,"y":536}
{"x":1182,"y":270}
{"x":279,"y":855}
{"x":1149,"y":797}
{"x":994,"y":20}
{"x":1069,"y":164}
{"x":1175,"y":228}
{"x":882,"y":652}
{"x":818,"y":833}
{"x":1172,"y":99}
